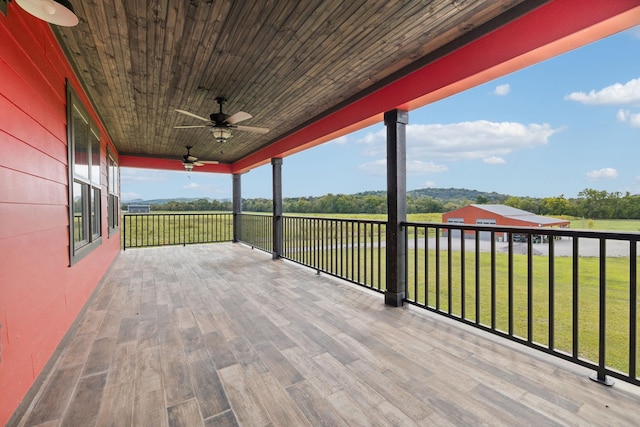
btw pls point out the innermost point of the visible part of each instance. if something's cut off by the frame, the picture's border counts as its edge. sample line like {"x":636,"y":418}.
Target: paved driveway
{"x":563,"y":247}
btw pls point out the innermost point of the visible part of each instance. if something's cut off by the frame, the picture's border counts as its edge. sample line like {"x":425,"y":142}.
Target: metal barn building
{"x":501,"y":215}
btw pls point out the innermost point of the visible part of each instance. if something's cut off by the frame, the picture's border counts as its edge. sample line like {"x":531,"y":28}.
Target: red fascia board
{"x":552,"y":29}
{"x":167,"y":164}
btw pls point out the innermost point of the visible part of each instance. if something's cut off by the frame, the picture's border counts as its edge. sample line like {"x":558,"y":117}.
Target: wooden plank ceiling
{"x":286,"y":62}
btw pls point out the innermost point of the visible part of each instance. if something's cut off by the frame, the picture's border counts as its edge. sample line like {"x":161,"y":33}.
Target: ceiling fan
{"x":221,"y":123}
{"x":190,"y":161}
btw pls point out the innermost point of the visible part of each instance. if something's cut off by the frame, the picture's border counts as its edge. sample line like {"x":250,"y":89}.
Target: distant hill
{"x":162,"y":201}
{"x":441,"y":194}
{"x":453,"y":194}
{"x":448,"y":194}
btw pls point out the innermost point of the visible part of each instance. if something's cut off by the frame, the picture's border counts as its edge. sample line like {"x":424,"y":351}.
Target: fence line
{"x":159,"y":229}
{"x":256,"y":230}
{"x":352,"y":250}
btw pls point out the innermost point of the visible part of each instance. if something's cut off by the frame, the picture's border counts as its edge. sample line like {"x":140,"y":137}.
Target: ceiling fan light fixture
{"x":58,"y":12}
{"x":221,"y":134}
{"x":188,"y":166}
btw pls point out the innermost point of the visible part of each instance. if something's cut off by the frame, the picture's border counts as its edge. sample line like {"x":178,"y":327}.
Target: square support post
{"x":237,"y":207}
{"x":396,"y":122}
{"x":277,"y":208}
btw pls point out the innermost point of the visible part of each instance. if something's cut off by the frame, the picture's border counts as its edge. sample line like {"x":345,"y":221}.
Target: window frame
{"x":113,"y":193}
{"x":90,"y":187}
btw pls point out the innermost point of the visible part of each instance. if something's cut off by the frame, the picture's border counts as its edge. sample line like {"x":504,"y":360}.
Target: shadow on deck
{"x":223,"y":335}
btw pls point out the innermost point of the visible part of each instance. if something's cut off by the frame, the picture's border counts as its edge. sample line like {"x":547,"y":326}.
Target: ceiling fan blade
{"x":191,"y":159}
{"x":252,"y":129}
{"x":208,"y":162}
{"x":190,"y":126}
{"x":197,"y":163}
{"x":195,"y":116}
{"x":238,"y":117}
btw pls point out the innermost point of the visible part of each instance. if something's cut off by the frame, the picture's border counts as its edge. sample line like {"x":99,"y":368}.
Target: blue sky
{"x":555,"y":128}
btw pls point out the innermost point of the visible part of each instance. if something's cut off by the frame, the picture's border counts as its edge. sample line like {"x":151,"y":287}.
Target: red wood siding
{"x":40,"y":294}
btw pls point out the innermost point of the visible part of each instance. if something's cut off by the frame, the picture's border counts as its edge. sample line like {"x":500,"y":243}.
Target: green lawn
{"x":627,"y":225}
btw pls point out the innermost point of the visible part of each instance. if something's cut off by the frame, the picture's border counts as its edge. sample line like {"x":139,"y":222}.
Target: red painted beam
{"x":167,"y":164}
{"x":552,"y":29}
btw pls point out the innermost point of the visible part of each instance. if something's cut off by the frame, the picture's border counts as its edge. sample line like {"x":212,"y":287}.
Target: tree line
{"x":589,"y":203}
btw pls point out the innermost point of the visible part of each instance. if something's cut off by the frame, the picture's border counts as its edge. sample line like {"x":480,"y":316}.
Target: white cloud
{"x":474,"y":140}
{"x":627,"y":116}
{"x":481,"y":140}
{"x":378,"y":167}
{"x":616,"y":94}
{"x":142,"y":175}
{"x":429,"y":184}
{"x":604,"y":173}
{"x":414,"y":167}
{"x":204,"y":190}
{"x":129,"y":195}
{"x":502,"y":90}
{"x":341,"y":140}
{"x":494,"y":160}
{"x":417,"y":167}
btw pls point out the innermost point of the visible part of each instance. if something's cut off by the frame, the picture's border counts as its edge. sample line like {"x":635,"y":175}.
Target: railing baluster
{"x":379,"y":287}
{"x":552,"y":292}
{"x":633,"y":304}
{"x":449,"y":271}
{"x":493,"y":279}
{"x":477,"y":266}
{"x":437,"y":274}
{"x":510,"y":283}
{"x":575,"y":295}
{"x":601,"y":375}
{"x":415,"y":259}
{"x":463,"y":285}
{"x":426,"y":267}
{"x":530,"y":288}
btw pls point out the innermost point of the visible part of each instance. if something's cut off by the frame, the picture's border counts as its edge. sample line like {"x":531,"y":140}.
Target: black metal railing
{"x":159,"y":229}
{"x":569,"y":293}
{"x":256,"y":230}
{"x":352,"y":250}
{"x":565,"y":292}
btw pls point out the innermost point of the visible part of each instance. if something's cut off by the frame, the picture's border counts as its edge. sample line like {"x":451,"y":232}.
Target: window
{"x":113,"y":202}
{"x":85,"y":190}
{"x":486,"y":221}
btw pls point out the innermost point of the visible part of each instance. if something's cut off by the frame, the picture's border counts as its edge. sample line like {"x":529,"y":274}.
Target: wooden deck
{"x":222,"y":335}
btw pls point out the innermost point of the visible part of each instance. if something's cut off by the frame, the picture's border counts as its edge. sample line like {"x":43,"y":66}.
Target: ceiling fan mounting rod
{"x":221,"y":100}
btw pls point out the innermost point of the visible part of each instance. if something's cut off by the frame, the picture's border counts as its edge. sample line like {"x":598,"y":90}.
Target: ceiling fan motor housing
{"x":219,"y":119}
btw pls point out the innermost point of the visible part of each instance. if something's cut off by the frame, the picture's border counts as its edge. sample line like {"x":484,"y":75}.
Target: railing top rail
{"x":349,"y":220}
{"x":557,"y":231}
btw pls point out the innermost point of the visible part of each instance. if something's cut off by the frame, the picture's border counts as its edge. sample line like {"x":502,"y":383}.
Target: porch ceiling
{"x":290,"y":64}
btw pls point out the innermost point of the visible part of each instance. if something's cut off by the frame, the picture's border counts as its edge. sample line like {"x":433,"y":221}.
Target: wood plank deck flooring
{"x":221,"y":335}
